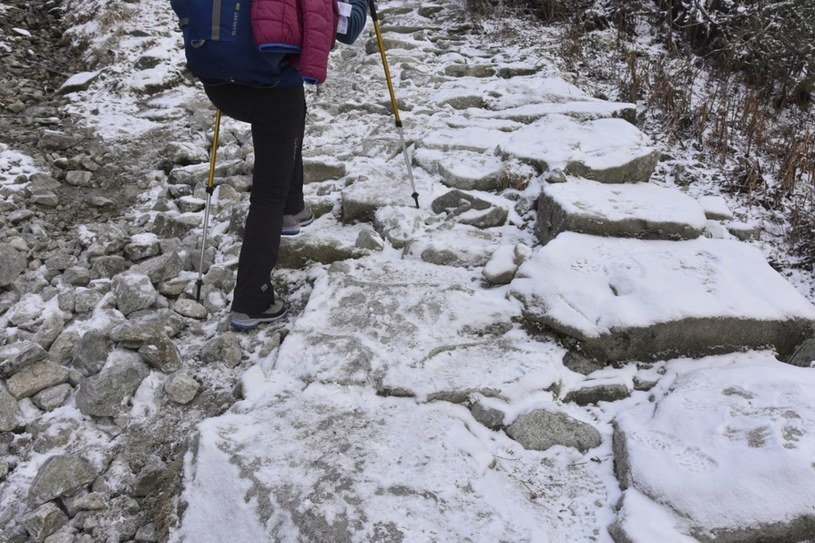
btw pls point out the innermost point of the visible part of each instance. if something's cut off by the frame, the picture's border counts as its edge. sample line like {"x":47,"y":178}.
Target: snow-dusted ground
{"x":383,"y":409}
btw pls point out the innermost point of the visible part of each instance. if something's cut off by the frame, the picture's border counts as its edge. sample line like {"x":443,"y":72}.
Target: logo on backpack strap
{"x":235,"y":19}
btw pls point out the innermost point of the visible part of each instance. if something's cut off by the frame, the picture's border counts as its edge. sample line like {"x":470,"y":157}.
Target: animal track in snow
{"x":689,"y":458}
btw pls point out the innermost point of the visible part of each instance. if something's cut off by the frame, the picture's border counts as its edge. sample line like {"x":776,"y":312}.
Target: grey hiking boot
{"x":249,"y":321}
{"x":293,"y":223}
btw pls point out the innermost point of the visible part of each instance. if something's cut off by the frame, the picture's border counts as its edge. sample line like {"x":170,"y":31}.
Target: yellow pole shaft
{"x":387,"y":72}
{"x":214,"y":150}
{"x":210,"y":189}
{"x":378,"y":30}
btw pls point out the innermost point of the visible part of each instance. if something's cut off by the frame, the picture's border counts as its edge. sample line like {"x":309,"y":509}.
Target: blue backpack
{"x":218,"y":43}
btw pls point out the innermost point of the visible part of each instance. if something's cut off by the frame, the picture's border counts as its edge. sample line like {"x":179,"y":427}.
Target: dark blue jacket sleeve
{"x":356,"y":22}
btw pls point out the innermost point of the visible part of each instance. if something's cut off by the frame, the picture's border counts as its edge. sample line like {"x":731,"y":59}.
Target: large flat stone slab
{"x":527,"y":98}
{"x":364,"y":322}
{"x":506,"y":367}
{"x":363,"y":198}
{"x":462,"y":245}
{"x":606,"y":150}
{"x":584,"y":110}
{"x":470,"y":138}
{"x":727,"y":453}
{"x":404,"y":332}
{"x":627,"y":299}
{"x":351,"y":431}
{"x":638,"y":210}
{"x":342,"y":464}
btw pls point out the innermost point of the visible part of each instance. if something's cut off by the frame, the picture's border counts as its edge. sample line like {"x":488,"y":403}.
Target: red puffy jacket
{"x":306,"y":28}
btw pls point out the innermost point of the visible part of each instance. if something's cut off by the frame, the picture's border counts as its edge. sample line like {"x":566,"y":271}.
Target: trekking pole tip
{"x":198,"y":284}
{"x":416,"y":199}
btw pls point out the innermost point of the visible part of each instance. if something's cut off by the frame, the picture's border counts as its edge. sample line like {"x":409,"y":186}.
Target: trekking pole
{"x":378,"y":31}
{"x":210,"y":190}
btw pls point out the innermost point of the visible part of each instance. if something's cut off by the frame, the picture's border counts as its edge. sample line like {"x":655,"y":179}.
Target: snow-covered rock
{"x":717,"y":448}
{"x":610,"y":294}
{"x":638,"y":210}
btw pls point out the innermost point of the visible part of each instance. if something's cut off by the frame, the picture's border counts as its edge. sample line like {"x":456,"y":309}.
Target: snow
{"x":539,"y":88}
{"x":443,"y":488}
{"x":501,"y":262}
{"x":583,"y":110}
{"x":465,"y":139}
{"x":761,"y":415}
{"x":218,"y":519}
{"x":640,"y":201}
{"x":14,"y":164}
{"x":351,"y":429}
{"x":595,"y":284}
{"x":556,"y":140}
{"x":144,"y":238}
{"x":716,"y":207}
{"x":645,"y":520}
{"x":79,"y":80}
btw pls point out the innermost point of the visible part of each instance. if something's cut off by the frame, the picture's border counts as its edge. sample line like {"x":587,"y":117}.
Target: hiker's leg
{"x":294,"y":200}
{"x":277,"y":126}
{"x":230,"y":99}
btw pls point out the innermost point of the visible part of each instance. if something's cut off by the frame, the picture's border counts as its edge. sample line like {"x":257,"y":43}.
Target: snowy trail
{"x":372,"y":441}
{"x":443,"y":373}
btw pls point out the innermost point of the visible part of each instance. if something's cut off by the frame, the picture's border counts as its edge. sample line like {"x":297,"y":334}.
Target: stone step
{"x":636,"y":210}
{"x":462,"y":169}
{"x":527,"y":98}
{"x":386,"y":323}
{"x":362,"y":199}
{"x":717,"y":437}
{"x":340,"y":463}
{"x":621,"y":299}
{"x":383,"y":350}
{"x":327,"y":242}
{"x":607,"y":150}
{"x":584,"y":110}
{"x":540,"y":121}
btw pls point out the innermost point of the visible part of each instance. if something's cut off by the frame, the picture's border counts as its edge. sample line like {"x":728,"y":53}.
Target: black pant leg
{"x":278,"y":123}
{"x":294,"y":201}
